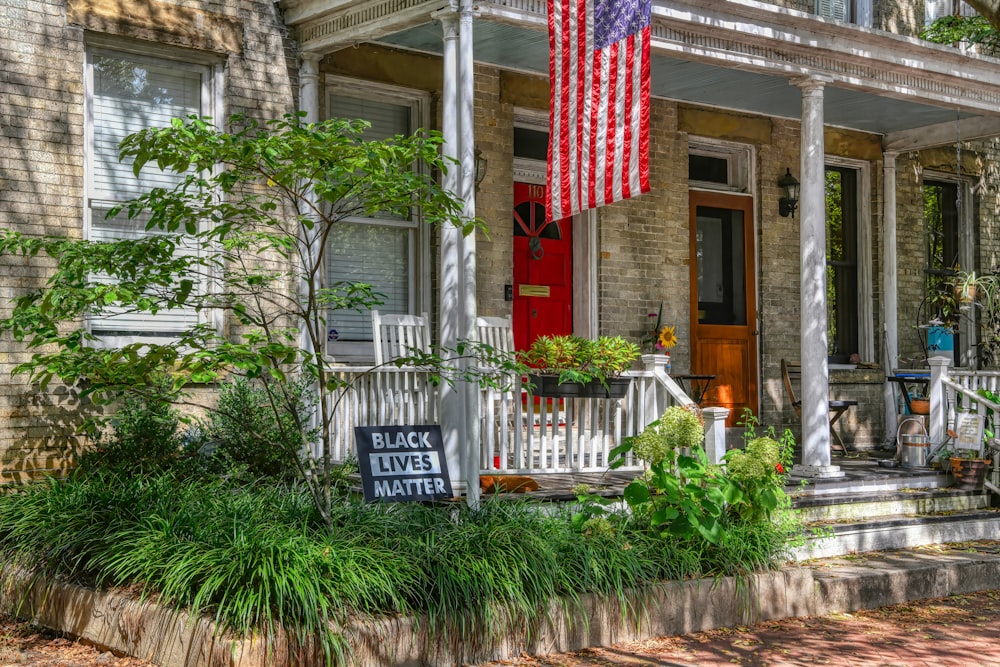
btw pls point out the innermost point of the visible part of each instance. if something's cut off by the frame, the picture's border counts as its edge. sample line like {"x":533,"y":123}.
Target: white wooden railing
{"x":956,"y":391}
{"x":519,"y":434}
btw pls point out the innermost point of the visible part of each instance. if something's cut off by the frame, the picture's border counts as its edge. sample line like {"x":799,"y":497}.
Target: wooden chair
{"x":496,"y":332}
{"x":399,"y":336}
{"x":837,"y":408}
{"x":499,"y":407}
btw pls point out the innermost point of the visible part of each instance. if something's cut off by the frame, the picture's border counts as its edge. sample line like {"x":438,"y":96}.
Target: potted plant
{"x":969,"y":469}
{"x":574,"y":366}
{"x":970,"y":287}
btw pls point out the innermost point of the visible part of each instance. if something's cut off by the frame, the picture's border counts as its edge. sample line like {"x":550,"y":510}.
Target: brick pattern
{"x":643,"y":253}
{"x":41,"y":172}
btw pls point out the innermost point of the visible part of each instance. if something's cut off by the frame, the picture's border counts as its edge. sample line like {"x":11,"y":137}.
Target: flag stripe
{"x":611,"y":120}
{"x":642,"y":153}
{"x":628,"y":108}
{"x":599,"y":115}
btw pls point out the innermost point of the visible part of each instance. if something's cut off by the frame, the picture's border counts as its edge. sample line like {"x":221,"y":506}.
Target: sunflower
{"x":667,"y":338}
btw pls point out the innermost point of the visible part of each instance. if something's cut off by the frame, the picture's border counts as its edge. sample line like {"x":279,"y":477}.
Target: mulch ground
{"x":23,"y":645}
{"x":958,"y":631}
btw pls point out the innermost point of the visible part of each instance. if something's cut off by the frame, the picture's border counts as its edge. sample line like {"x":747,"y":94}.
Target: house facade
{"x":872,"y":121}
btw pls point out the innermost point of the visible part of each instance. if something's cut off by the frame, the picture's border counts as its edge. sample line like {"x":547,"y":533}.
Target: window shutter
{"x":375,"y":255}
{"x":863,"y":14}
{"x":965,"y":9}
{"x":130,"y":95}
{"x":832,"y":9}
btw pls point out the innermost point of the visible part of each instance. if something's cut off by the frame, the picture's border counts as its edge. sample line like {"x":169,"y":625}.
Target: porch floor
{"x":862,"y":475}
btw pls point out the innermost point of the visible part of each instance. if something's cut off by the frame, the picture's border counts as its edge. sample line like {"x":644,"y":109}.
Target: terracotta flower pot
{"x":969,"y":473}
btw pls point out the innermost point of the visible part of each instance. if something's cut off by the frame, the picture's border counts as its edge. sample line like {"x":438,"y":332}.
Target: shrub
{"x":143,"y":436}
{"x":679,"y":428}
{"x":248,"y":438}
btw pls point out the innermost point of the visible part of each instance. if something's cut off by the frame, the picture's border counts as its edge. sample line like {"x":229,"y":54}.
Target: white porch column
{"x":452,"y":397}
{"x":890,"y":288}
{"x":310,"y":250}
{"x":939,"y":371}
{"x":309,"y":86}
{"x":467,"y":329}
{"x":812,"y":250}
{"x":715,"y":433}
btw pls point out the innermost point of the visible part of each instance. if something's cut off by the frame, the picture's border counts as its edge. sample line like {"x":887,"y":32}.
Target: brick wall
{"x":41,"y":158}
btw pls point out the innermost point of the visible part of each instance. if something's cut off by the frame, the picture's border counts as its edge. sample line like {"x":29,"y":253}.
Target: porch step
{"x":878,"y":521}
{"x":904,"y":502}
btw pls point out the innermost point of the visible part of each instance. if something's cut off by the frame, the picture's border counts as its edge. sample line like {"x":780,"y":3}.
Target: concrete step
{"x":878,"y":533}
{"x":892,"y":503}
{"x":863,"y":477}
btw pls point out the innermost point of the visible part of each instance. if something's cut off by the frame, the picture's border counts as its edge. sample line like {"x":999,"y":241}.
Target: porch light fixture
{"x":790,"y":201}
{"x":481,"y":165}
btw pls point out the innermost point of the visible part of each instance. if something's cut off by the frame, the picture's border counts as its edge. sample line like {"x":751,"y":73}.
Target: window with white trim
{"x":935,"y":9}
{"x":842,"y":301}
{"x":858,"y":12}
{"x":850,"y":319}
{"x":127,"y":92}
{"x":383,"y":251}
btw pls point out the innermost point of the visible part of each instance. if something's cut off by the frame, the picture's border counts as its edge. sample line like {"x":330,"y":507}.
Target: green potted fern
{"x":571,"y":366}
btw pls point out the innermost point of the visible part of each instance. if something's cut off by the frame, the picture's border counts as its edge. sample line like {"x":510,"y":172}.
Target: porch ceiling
{"x":516,"y":48}
{"x":741,"y":55}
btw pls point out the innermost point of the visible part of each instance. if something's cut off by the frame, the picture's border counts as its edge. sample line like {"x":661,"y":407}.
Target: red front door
{"x":543,"y":269}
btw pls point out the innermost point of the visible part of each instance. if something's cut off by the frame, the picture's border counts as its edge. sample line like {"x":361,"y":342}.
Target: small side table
{"x":903,"y":379}
{"x":699,"y":385}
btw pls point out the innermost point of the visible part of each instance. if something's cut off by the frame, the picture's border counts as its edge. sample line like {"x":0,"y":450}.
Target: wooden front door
{"x":543,"y":269}
{"x":723,"y":300}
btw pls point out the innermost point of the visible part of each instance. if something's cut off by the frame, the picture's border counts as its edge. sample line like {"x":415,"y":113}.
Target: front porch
{"x":564,"y":442}
{"x":519,"y":433}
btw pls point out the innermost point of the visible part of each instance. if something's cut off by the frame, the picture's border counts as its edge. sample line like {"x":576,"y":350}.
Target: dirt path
{"x":958,"y":631}
{"x":23,"y":645}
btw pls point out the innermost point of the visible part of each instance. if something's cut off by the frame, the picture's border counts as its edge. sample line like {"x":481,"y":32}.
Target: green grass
{"x":258,"y":557}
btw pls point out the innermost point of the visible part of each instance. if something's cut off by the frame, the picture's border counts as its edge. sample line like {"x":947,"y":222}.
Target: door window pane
{"x":721,"y":267}
{"x":941,"y":229}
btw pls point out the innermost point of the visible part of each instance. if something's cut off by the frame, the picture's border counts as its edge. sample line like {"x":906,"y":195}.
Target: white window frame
{"x":738,"y":160}
{"x":935,"y":9}
{"x":969,"y":334}
{"x":419,"y":255}
{"x":866,"y":306}
{"x":212,"y":82}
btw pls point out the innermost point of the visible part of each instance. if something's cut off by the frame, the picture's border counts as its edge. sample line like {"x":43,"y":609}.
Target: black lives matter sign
{"x":399,"y":463}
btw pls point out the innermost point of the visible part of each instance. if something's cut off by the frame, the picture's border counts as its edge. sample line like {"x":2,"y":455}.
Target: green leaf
{"x":636,"y":493}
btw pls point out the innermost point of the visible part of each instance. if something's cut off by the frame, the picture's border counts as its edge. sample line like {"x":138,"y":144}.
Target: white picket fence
{"x":957,"y":391}
{"x":518,"y":434}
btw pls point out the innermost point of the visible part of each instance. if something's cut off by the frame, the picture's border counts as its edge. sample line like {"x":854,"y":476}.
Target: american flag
{"x":599,"y":104}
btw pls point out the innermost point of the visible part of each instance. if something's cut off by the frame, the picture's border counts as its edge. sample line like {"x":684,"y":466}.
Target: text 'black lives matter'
{"x":402,"y":463}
